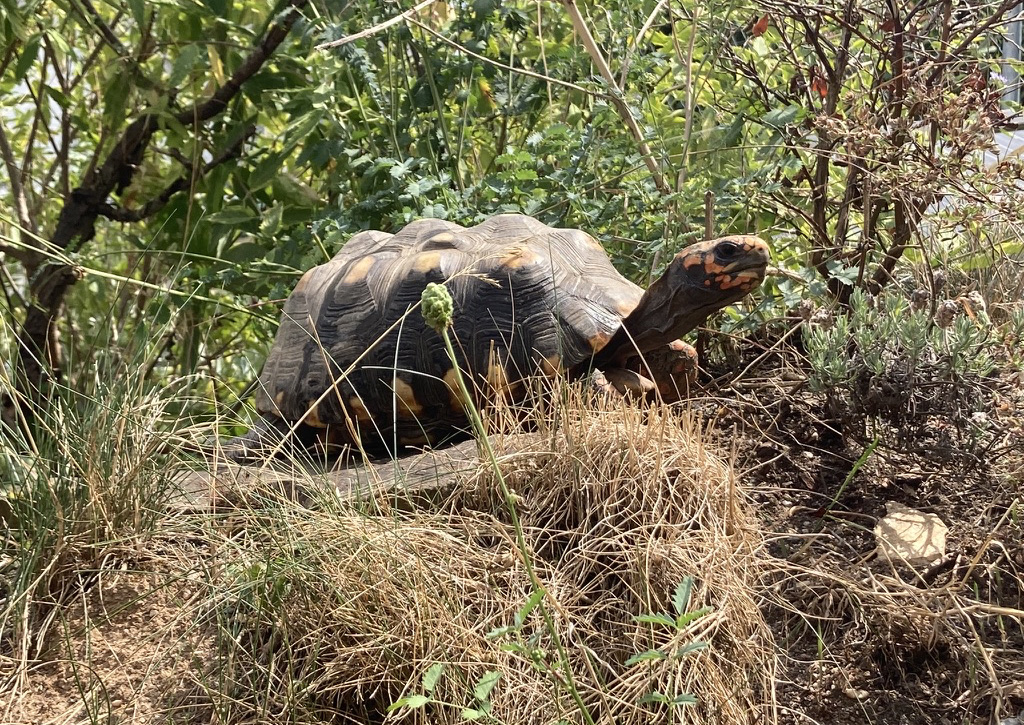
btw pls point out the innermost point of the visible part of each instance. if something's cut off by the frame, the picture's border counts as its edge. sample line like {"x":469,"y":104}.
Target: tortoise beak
{"x":753,"y":264}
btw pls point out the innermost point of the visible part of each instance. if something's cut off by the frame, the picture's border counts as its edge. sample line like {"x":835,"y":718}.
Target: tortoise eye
{"x":727,"y":250}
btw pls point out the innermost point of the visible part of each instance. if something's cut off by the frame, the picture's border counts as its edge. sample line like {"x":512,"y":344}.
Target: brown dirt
{"x":134,"y":631}
{"x":866,"y":640}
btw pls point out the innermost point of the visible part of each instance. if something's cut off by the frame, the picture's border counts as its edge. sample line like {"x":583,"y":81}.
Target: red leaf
{"x":820,"y":86}
{"x":759,"y":27}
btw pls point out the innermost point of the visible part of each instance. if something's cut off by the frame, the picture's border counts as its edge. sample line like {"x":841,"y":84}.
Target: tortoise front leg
{"x":673,"y":368}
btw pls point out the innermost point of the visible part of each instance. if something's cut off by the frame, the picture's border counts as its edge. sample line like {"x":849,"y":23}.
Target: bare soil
{"x":125,"y":651}
{"x":867,"y":640}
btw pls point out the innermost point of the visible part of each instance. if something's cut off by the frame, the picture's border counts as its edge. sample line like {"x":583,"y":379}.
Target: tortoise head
{"x":700,"y":280}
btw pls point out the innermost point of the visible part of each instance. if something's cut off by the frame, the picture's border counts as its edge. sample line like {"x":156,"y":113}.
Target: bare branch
{"x":274,"y":36}
{"x":17,"y":189}
{"x":20,"y":253}
{"x":90,"y":15}
{"x":151,"y":207}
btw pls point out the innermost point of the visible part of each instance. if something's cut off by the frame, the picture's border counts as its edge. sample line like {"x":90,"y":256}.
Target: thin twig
{"x":616,"y":95}
{"x":14,"y":177}
{"x":151,"y":207}
{"x":376,"y":28}
{"x":504,"y":66}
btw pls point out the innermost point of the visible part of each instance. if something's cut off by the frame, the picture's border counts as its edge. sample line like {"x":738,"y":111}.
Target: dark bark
{"x":76,"y":224}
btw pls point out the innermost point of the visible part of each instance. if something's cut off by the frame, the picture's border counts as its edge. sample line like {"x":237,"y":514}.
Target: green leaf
{"x":655,"y":619}
{"x":687,"y":649}
{"x":431,"y":676}
{"x":530,"y":605}
{"x":681,"y":596}
{"x":501,"y":631}
{"x":58,"y":41}
{"x":138,"y":10}
{"x":684,"y":699}
{"x":236,"y":214}
{"x":271,"y":223}
{"x":472,"y":714}
{"x":244,"y":253}
{"x":115,"y":98}
{"x":485,"y":684}
{"x":653,"y":697}
{"x":27,"y":57}
{"x":651,"y":654}
{"x":684,"y":619}
{"x":845,"y":274}
{"x":299,"y":130}
{"x":265,"y":171}
{"x":412,"y":702}
{"x":780,"y":117}
{"x":186,"y":61}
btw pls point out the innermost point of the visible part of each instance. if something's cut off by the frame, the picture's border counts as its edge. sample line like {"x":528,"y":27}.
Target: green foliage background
{"x":811,"y":131}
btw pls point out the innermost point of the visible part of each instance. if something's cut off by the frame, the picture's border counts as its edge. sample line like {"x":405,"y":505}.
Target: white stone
{"x":916,"y":537}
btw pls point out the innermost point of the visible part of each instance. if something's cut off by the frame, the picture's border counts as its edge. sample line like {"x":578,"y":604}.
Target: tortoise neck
{"x":662,"y":315}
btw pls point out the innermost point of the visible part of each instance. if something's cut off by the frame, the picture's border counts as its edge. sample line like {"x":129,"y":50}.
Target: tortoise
{"x":354,"y":362}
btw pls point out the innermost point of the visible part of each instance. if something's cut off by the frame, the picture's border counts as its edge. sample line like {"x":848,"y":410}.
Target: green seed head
{"x":437,"y":306}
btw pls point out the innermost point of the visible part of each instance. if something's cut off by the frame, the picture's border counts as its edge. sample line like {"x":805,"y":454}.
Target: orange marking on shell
{"x":427,"y":262}
{"x":598,"y":341}
{"x":408,"y":405}
{"x":312,"y":418}
{"x":707,"y":283}
{"x":303,"y":281}
{"x":624,"y":308}
{"x":517,"y":257}
{"x":454,"y":396}
{"x":443,"y":238}
{"x":358,"y":271}
{"x":551,"y":365}
{"x":359,"y":409}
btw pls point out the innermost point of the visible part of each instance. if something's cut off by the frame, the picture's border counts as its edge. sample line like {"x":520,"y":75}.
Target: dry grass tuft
{"x":339,"y":613}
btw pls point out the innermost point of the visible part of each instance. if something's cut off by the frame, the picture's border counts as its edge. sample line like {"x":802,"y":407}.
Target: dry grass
{"x":338,"y":613}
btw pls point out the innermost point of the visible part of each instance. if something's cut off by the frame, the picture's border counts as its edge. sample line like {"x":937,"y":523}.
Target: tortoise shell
{"x":528,"y":298}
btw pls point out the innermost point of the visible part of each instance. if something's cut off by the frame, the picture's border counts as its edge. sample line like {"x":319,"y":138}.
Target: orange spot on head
{"x":691,"y":259}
